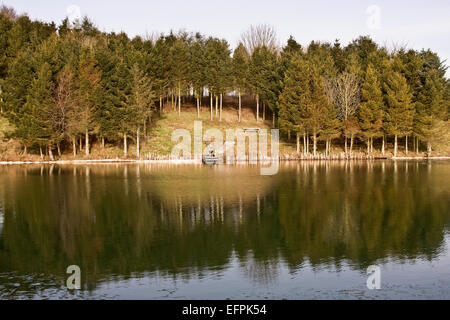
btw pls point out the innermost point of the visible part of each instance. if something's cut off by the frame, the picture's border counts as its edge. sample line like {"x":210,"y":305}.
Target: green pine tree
{"x":400,"y":110}
{"x":371,"y":111}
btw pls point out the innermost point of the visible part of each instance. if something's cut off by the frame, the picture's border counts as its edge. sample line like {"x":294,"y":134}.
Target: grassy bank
{"x":157,"y":144}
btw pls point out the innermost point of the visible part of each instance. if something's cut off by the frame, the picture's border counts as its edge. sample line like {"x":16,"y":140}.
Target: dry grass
{"x":158,"y":140}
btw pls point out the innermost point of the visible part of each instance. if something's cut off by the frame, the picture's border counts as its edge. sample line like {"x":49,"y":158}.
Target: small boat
{"x":210,"y":159}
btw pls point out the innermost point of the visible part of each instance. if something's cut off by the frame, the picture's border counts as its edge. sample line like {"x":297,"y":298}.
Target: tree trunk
{"x":371,"y":144}
{"x":198,"y":107}
{"x":160,"y":104}
{"x":25,"y":150}
{"x":298,"y":143}
{"x":58,"y":147}
{"x":414,"y":143}
{"x":273,"y":119}
{"x":429,"y":149}
{"x":289,"y":135}
{"x":217,"y":105}
{"x":304,"y":144}
{"x":257,"y":108}
{"x":264,"y":111}
{"x":211,"y":98}
{"x":240,"y":106}
{"x":103,"y":143}
{"x":179,"y":100}
{"x":351,"y":143}
{"x":220,"y":112}
{"x":307,"y":143}
{"x":383,"y":145}
{"x":40,"y":151}
{"x":87,"y":142}
{"x":81,"y":143}
{"x":138,"y":145}
{"x":368,"y":146}
{"x":74,"y":146}
{"x":395,"y":146}
{"x":314,"y":143}
{"x":406,"y":145}
{"x":345,"y":144}
{"x":417,"y":145}
{"x":50,"y":153}
{"x":125,"y":146}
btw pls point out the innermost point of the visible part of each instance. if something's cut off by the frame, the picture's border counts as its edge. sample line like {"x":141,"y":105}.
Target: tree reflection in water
{"x":182,"y":221}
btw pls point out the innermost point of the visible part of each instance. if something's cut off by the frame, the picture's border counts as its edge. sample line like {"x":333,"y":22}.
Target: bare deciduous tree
{"x":64,"y":101}
{"x":259,"y":36}
{"x":8,"y":12}
{"x":344,"y":91}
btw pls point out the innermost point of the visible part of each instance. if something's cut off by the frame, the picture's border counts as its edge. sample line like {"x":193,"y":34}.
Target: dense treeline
{"x":69,"y":85}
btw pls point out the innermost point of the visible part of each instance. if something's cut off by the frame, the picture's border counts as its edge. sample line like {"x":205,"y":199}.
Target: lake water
{"x":153,"y":231}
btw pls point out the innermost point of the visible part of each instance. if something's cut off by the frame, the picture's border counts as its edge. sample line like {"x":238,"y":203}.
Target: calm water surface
{"x":174,"y":232}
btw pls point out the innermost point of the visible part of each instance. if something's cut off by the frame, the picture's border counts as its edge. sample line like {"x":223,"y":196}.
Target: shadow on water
{"x":182,"y":222}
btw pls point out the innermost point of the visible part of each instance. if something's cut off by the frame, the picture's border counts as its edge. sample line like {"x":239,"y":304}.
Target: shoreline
{"x":193,"y":161}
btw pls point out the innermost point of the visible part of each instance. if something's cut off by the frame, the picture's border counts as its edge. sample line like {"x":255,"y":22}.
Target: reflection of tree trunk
{"x":241,"y":208}
{"x":258,"y":205}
